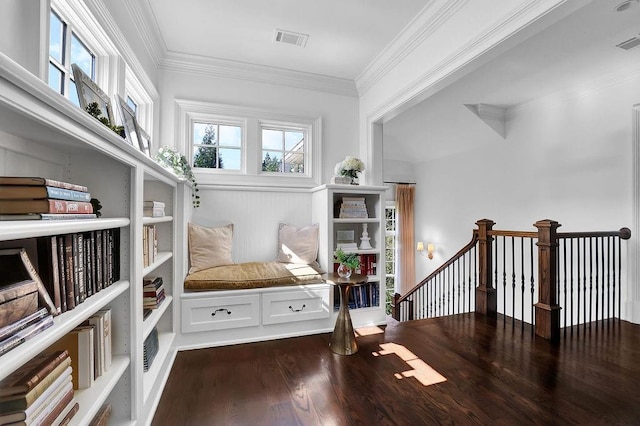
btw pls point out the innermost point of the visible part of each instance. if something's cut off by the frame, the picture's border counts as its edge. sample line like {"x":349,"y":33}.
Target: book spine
{"x":69,"y":207}
{"x":67,"y":194}
{"x":62,"y":274}
{"x":47,"y":381}
{"x":42,"y":291}
{"x":13,"y":328}
{"x":48,"y":415}
{"x":48,"y":268}
{"x":25,"y":334}
{"x":65,"y":185}
{"x":66,"y":419}
{"x":70,"y":281}
{"x":66,"y":216}
{"x":99,"y":254}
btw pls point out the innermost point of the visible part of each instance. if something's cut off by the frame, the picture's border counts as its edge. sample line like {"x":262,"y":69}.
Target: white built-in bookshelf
{"x":43,"y":134}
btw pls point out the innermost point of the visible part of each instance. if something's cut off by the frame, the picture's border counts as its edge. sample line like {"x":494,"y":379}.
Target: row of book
{"x":368,"y":264}
{"x":76,"y":266}
{"x":35,"y":198}
{"x":153,"y":292}
{"x":40,"y":392}
{"x":352,"y":208}
{"x":23,"y":329}
{"x":149,"y":244}
{"x":153,"y":209}
{"x":361,"y":296}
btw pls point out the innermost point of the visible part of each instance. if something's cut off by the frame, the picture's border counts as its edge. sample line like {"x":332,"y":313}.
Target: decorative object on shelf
{"x":364,"y":240}
{"x":132,"y":130}
{"x":173,"y":160}
{"x":349,"y":262}
{"x":93,"y":100}
{"x":94,"y":110}
{"x":428,"y":252}
{"x":348,"y":168}
{"x":96,"y":207}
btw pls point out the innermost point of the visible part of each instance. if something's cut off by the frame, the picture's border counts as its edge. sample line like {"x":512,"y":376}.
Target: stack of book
{"x":79,"y":343}
{"x":101,"y":324}
{"x":19,"y":331}
{"x":153,"y":209}
{"x":149,"y":245}
{"x":153,"y":293}
{"x":40,"y":392}
{"x":150,"y":349}
{"x":34,"y":198}
{"x":353,"y":208}
{"x":76,"y":266}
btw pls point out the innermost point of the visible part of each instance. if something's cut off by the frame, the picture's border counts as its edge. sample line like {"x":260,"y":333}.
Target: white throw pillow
{"x":297,"y":245}
{"x":209,"y":247}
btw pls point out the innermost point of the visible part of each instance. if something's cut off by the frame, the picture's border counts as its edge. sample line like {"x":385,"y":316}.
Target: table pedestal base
{"x":343,"y":339}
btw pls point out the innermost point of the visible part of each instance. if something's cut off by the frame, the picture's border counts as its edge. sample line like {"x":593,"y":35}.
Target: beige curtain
{"x":406,"y":260}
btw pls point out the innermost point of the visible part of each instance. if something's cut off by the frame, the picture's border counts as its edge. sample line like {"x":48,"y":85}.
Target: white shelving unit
{"x":326,"y":201}
{"x":43,"y":134}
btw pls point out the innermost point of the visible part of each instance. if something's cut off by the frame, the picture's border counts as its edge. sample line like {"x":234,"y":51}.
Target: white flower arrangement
{"x":349,"y":167}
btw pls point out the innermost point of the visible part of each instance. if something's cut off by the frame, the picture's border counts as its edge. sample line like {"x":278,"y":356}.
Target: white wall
{"x":256,"y":213}
{"x":566,"y":158}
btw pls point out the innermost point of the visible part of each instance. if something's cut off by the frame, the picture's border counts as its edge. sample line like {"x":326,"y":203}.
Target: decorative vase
{"x":344,"y":271}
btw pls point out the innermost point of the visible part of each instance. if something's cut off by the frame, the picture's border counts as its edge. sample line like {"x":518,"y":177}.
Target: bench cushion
{"x":252,"y":275}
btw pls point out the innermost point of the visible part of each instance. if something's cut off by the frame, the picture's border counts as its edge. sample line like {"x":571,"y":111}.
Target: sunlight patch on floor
{"x":420,"y":370}
{"x":368,"y":331}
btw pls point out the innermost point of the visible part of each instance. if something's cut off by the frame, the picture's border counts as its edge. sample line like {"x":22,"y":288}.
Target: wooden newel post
{"x":486,"y":298}
{"x":547,"y":308}
{"x":395,"y":309}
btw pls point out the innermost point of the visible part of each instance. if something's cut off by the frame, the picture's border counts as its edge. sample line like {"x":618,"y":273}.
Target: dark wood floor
{"x":494,"y":375}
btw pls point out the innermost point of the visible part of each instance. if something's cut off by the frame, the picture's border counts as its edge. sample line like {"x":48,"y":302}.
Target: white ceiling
{"x":576,"y":53}
{"x":344,"y":36}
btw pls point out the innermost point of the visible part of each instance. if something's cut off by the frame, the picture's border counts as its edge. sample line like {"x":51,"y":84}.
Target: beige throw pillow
{"x":209,"y":247}
{"x":297,"y":245}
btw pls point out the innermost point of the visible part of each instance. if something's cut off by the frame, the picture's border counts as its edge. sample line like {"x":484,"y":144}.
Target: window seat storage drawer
{"x":295,"y":305}
{"x":220,"y":312}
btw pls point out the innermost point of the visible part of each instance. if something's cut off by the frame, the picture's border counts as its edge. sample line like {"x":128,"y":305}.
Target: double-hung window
{"x":66,"y":48}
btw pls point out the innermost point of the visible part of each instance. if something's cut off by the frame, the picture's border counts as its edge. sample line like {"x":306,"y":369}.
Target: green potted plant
{"x":349,"y":262}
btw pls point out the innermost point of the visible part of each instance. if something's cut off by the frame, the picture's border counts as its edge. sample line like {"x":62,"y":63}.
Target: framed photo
{"x":145,"y":142}
{"x":89,"y":92}
{"x":131,"y":129}
{"x":345,"y":236}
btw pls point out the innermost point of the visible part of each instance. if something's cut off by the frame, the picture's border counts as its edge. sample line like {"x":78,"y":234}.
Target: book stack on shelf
{"x":361,"y":296}
{"x":153,"y":292}
{"x":101,"y":324}
{"x":34,"y":198}
{"x":150,"y":349}
{"x":353,"y":208}
{"x":40,"y":392}
{"x":153,"y":209}
{"x":76,"y":266}
{"x":19,"y":331}
{"x":149,"y":245}
{"x":102,"y":416}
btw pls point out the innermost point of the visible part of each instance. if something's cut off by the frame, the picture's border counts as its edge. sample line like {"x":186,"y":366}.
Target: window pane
{"x":56,"y":38}
{"x":294,"y":162}
{"x":55,"y":78}
{"x":291,"y":139}
{"x":206,"y":157}
{"x":73,"y":93}
{"x":81,"y":56}
{"x":204,"y":133}
{"x":271,"y":161}
{"x":132,"y":105}
{"x":230,"y":136}
{"x":272,"y":139}
{"x":230,"y":158}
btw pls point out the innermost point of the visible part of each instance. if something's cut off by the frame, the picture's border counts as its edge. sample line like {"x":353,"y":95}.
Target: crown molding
{"x":147,"y":26}
{"x":200,"y":65}
{"x":425,"y":23}
{"x":106,"y":21}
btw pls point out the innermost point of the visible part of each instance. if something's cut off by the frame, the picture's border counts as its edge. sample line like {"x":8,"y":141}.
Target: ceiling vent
{"x":289,"y":37}
{"x":629,"y":44}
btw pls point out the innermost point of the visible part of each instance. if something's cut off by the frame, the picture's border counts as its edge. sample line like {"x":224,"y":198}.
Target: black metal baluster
{"x":532,"y":284}
{"x":504,"y":279}
{"x":464,"y":282}
{"x":619,"y":276}
{"x":522,"y":283}
{"x":608,"y":276}
{"x":513,"y":281}
{"x":571,"y":283}
{"x":564,"y":255}
{"x":590,"y":279}
{"x":584,"y":279}
{"x":579,"y":257}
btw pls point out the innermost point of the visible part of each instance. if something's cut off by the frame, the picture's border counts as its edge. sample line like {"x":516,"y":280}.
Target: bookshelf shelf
{"x":165,"y":339}
{"x":160,"y":259}
{"x":90,"y":400}
{"x":356,"y":220}
{"x":22,"y":229}
{"x":154,"y":220}
{"x":155,"y":316}
{"x":62,"y":324}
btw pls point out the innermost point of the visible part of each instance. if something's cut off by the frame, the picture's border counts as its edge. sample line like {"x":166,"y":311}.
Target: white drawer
{"x":295,"y":305}
{"x":218,"y":313}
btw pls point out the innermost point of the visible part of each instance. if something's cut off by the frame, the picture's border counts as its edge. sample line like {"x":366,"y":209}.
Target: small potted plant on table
{"x":349,"y":262}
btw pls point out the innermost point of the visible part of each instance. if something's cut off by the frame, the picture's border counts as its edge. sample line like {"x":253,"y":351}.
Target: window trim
{"x":250,"y":174}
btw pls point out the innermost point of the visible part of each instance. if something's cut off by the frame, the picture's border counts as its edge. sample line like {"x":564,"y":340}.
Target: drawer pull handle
{"x":297,"y":310}
{"x":221,"y":310}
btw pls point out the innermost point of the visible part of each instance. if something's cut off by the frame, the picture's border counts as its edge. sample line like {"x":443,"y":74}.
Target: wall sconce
{"x":428,"y":252}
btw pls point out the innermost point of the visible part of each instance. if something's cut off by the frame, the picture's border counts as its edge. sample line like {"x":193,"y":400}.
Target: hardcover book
{"x":79,"y":343}
{"x":30,"y":374}
{"x":38,"y":181}
{"x":49,"y":269}
{"x":14,"y":327}
{"x":25,"y":334}
{"x":26,"y":192}
{"x":47,"y":216}
{"x":44,"y":206}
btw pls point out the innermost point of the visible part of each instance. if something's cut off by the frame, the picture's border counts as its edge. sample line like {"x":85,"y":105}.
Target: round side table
{"x":343,"y":339}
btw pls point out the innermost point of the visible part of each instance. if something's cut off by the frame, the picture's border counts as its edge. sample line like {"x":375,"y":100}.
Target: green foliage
{"x":94,"y":110}
{"x":271,"y":164}
{"x":173,"y":160}
{"x":349,"y":259}
{"x":95,"y":203}
{"x":208,"y":157}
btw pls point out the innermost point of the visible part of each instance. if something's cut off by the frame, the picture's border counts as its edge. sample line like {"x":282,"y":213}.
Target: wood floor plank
{"x":495,"y":374}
